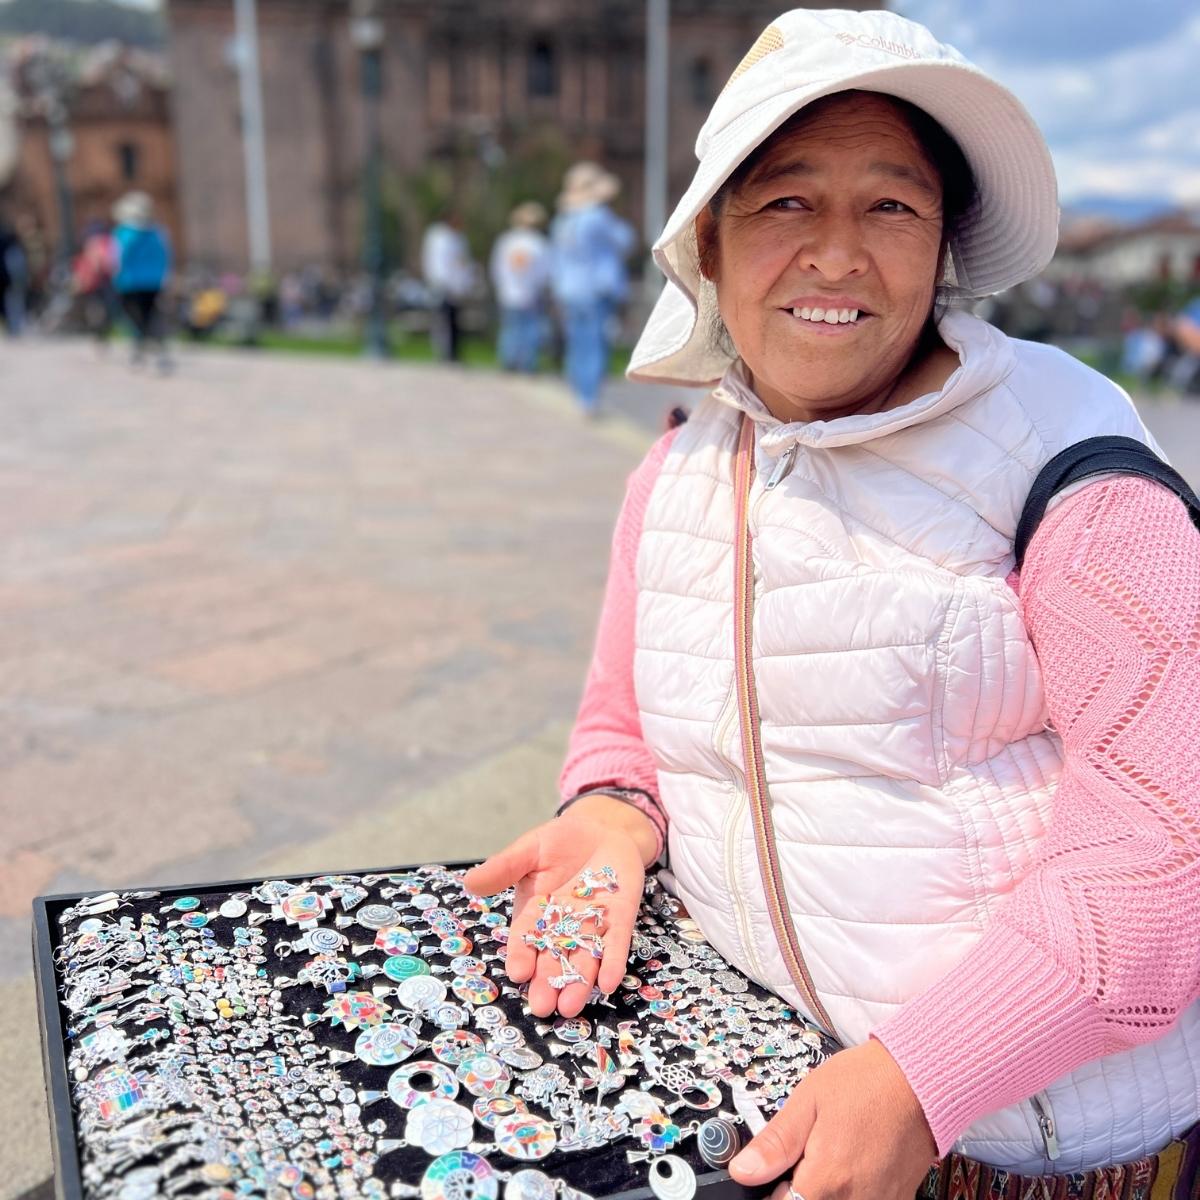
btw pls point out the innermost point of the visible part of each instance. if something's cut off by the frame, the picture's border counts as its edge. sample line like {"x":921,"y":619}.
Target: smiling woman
{"x":837,"y":227}
{"x":945,"y":804}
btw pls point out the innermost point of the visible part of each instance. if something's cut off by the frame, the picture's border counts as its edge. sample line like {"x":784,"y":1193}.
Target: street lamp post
{"x":654,"y":200}
{"x":366,"y":31}
{"x":62,"y":146}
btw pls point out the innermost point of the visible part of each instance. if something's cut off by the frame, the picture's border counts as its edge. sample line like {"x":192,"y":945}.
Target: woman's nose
{"x":833,"y":247}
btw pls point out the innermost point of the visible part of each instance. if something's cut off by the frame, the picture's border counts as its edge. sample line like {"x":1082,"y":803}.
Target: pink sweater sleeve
{"x":1097,"y":948}
{"x":606,"y":747}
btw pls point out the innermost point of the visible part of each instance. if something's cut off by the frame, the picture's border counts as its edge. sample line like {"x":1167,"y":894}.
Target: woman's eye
{"x":893,"y":206}
{"x":787,"y":203}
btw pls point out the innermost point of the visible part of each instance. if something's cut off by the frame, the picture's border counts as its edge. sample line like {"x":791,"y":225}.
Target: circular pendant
{"x":407,"y":1086}
{"x":459,"y":1175}
{"x":492,"y":920}
{"x":525,"y":1137}
{"x":185,"y":903}
{"x":702,"y":1095}
{"x":439,"y":1126}
{"x":672,"y":1178}
{"x":395,"y":939}
{"x":572,"y":1029}
{"x":506,"y":1036}
{"x":457,"y":944}
{"x":529,"y":1184}
{"x":490,"y":1110}
{"x":233,"y":909}
{"x":423,"y":901}
{"x":400,"y":967}
{"x":524,"y":1058}
{"x":489,"y":1017}
{"x":474,"y":989}
{"x":421,"y":991}
{"x":194,"y":920}
{"x":719,"y":1141}
{"x":484,"y":1075}
{"x":385,"y":1045}
{"x":454,"y":1045}
{"x":464,"y":964}
{"x":376,"y":916}
{"x":324,"y":941}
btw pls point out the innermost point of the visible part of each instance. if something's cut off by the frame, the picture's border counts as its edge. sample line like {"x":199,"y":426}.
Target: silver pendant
{"x":459,"y":1175}
{"x":672,"y":1178}
{"x":529,"y":1184}
{"x":439,"y":1126}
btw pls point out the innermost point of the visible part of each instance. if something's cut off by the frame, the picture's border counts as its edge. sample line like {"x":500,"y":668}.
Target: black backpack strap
{"x":1096,"y":456}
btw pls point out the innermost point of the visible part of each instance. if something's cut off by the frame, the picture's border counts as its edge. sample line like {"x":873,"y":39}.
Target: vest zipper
{"x":755,"y":773}
{"x":733,"y":823}
{"x":783,"y":467}
{"x":1040,"y":1103}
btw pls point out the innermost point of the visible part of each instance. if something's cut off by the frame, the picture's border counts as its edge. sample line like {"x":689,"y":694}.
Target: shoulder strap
{"x":1096,"y":456}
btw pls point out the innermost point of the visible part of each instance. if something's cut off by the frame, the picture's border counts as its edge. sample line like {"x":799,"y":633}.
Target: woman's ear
{"x":706,"y":243}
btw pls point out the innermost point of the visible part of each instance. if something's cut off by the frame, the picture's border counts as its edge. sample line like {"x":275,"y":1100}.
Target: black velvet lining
{"x":603,"y":1172}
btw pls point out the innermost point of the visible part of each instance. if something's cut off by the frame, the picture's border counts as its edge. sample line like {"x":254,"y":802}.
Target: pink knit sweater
{"x":1100,"y":941}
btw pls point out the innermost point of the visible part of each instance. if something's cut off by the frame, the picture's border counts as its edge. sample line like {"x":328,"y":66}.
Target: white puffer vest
{"x":902,"y":718}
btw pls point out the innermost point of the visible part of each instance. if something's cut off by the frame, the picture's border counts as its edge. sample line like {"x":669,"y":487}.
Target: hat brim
{"x":1008,"y":237}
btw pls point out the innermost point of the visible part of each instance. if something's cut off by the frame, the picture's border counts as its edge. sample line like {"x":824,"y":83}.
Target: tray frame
{"x":68,"y":1182}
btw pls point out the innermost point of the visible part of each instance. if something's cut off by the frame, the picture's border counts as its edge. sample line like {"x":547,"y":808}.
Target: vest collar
{"x":985,"y":359}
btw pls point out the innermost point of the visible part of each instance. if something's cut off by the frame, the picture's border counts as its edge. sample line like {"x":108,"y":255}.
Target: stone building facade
{"x":117,"y":103}
{"x":473,"y":73}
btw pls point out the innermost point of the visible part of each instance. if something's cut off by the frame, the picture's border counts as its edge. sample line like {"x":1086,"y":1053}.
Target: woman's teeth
{"x":830,"y":316}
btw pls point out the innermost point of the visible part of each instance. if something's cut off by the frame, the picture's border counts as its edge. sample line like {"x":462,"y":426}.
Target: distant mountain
{"x":1127,"y":210}
{"x":85,"y":21}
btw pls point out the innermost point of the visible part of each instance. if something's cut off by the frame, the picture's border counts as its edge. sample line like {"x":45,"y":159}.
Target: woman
{"x":978,"y":860}
{"x":143,"y":264}
{"x":590,"y":245}
{"x":520,"y":270}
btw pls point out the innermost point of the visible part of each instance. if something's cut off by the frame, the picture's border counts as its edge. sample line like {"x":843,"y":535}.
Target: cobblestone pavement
{"x":274,"y":614}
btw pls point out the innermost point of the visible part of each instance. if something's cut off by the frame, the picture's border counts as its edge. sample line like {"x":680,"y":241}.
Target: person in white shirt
{"x":520,"y":271}
{"x":450,"y":274}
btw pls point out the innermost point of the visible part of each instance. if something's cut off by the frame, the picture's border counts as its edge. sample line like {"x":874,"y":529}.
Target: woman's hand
{"x":595,"y":832}
{"x":852,"y":1130}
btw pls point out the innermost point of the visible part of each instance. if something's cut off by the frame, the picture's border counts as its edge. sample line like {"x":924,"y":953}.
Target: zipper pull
{"x":783,"y":467}
{"x":1041,"y":1109}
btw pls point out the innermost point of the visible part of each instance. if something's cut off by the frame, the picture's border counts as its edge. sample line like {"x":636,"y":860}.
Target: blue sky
{"x":1114,"y":84}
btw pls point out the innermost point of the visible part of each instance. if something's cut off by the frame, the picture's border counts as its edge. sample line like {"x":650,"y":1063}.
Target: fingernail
{"x":750,"y":1161}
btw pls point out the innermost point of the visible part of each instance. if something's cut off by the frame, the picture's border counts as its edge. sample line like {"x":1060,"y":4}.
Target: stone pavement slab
{"x":272,"y":614}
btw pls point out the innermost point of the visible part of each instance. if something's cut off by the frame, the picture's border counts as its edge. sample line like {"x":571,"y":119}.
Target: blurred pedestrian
{"x":143,"y":263}
{"x":92,"y":275}
{"x":450,"y":275}
{"x":14,"y":280}
{"x":591,"y":244}
{"x":1185,"y":334}
{"x":520,"y":271}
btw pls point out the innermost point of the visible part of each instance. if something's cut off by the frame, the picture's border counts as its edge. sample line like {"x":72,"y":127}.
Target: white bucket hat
{"x":1008,"y":236}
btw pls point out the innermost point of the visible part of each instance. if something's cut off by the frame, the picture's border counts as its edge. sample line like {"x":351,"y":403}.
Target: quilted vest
{"x":904,"y":732}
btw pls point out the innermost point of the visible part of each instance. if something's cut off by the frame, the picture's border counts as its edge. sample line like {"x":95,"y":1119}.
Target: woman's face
{"x":841,"y":217}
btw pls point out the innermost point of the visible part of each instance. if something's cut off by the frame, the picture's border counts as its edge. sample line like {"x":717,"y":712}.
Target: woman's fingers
{"x":545,"y":999}
{"x":504,"y":868}
{"x":779,"y":1146}
{"x":521,"y":959}
{"x":617,"y":937}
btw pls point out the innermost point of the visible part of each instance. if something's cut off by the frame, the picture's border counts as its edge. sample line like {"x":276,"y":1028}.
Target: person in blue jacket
{"x":589,"y":279}
{"x":143,"y":264}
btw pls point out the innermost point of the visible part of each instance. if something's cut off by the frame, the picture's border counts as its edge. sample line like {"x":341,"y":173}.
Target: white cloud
{"x":1118,"y":99}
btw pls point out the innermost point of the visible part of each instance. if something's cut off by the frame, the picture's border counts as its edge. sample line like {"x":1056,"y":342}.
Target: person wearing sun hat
{"x":932,"y":782}
{"x":590,"y":246}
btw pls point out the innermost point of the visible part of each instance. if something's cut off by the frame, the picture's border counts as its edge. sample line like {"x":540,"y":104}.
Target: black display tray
{"x":68,"y":1184}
